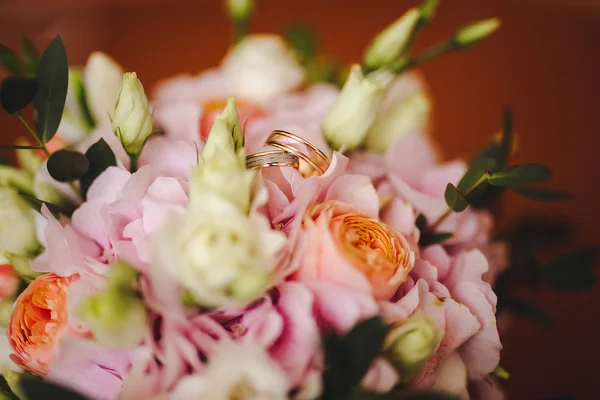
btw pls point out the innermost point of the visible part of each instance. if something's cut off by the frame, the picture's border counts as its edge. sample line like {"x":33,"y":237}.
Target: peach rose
{"x":37,"y":322}
{"x":9,"y":281}
{"x":354,"y":250}
{"x":247,"y":111}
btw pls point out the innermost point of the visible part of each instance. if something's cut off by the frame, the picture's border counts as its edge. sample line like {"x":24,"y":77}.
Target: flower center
{"x":243,"y":390}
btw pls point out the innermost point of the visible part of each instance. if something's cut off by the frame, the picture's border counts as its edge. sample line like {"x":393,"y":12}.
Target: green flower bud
{"x":28,"y":160}
{"x":352,"y":114}
{"x":6,"y":308}
{"x":13,"y":379}
{"x":392,"y":42}
{"x":428,"y":9}
{"x":22,"y":264}
{"x":410,"y":344}
{"x":116,"y":317}
{"x":132,"y":121}
{"x":477,"y":31}
{"x":15,"y":178}
{"x":240,"y":9}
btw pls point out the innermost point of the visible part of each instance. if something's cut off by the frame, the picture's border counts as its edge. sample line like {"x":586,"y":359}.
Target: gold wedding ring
{"x":272,"y":158}
{"x":312,"y":161}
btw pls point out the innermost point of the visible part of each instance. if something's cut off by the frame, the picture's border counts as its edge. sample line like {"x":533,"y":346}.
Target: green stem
{"x":134,"y":163}
{"x":240,"y":29}
{"x":35,"y":136}
{"x":482,"y":179}
{"x":404,"y":64}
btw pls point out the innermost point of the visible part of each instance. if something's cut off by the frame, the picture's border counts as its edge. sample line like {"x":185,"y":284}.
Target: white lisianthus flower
{"x":354,"y":111}
{"x":222,"y":168}
{"x":410,"y":114}
{"x":391,"y":42}
{"x":222,"y":256}
{"x":132,"y":121}
{"x":102,"y":78}
{"x":261,"y":67}
{"x":17,"y":230}
{"x":236,"y":371}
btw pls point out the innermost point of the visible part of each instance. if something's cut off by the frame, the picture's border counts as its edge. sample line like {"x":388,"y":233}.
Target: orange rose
{"x":354,"y":250}
{"x":37,"y":322}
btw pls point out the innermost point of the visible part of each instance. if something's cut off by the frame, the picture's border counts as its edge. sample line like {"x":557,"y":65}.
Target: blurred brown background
{"x":544,"y":63}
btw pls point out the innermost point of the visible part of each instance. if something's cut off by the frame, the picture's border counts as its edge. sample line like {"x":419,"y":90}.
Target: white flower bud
{"x":477,"y":31}
{"x":132,"y":121}
{"x":391,"y":42}
{"x":17,"y":230}
{"x":352,"y":114}
{"x":240,"y":9}
{"x":102,"y":78}
{"x":407,"y":115}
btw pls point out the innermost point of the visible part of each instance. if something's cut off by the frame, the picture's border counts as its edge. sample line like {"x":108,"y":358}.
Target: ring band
{"x":272,"y":158}
{"x":312,"y":161}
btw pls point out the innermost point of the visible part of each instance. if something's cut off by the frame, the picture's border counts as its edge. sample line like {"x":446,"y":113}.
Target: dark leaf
{"x":507,"y":134}
{"x":455,"y":199}
{"x":30,"y":57}
{"x":17,"y":93}
{"x":476,"y":170}
{"x":16,"y":146}
{"x":571,"y":272}
{"x":349,"y":357}
{"x":421,"y":222}
{"x":485,"y":195}
{"x":100,"y":156}
{"x":53,"y":79}
{"x":403,"y":396}
{"x":53,"y":208}
{"x":542,"y":194}
{"x":524,"y":308}
{"x":303,"y":40}
{"x":523,"y":174}
{"x":429,"y":239}
{"x":37,"y":389}
{"x":67,"y":165}
{"x":10,"y":61}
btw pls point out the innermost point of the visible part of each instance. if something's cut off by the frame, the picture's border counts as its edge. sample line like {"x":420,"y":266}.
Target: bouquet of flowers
{"x":252,"y":232}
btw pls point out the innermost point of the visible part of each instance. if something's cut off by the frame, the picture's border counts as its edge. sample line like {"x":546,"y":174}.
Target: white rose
{"x":222,"y":256}
{"x":17,"y":230}
{"x":354,"y":111}
{"x":261,"y":67}
{"x":132,"y":121}
{"x":235,"y":371}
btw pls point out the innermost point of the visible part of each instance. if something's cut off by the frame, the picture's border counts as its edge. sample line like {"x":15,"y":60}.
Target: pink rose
{"x":354,"y":250}
{"x":9,"y":281}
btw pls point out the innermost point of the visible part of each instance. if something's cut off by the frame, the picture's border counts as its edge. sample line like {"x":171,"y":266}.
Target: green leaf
{"x":571,"y":272}
{"x":37,"y":389}
{"x":507,"y":134}
{"x":303,"y":40}
{"x":476,"y":170}
{"x":485,"y":195}
{"x":17,"y":93}
{"x":523,"y":174}
{"x":429,"y":239}
{"x":455,"y":199}
{"x":421,"y":222}
{"x":100,"y":156}
{"x":349,"y":357}
{"x":53,"y":208}
{"x":52,"y":76}
{"x":30,"y":57}
{"x":524,"y":308}
{"x":542,"y":194}
{"x":67,"y":165}
{"x":10,"y":61}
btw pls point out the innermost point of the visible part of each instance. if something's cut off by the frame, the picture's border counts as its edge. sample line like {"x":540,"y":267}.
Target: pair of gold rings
{"x":291,"y":151}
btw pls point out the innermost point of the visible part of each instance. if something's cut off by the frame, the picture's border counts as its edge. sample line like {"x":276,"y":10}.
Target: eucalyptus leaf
{"x":455,"y":199}
{"x":349,"y":357}
{"x":507,"y":135}
{"x":52,"y":76}
{"x":10,"y":61}
{"x":541,"y":194}
{"x":31,"y":57}
{"x":53,"y":208}
{"x":429,"y":239}
{"x":37,"y":389}
{"x":421,"y":222}
{"x":16,"y":93}
{"x":100,"y":156}
{"x":523,"y":174}
{"x":571,"y":272}
{"x":476,"y":170}
{"x":524,"y":308}
{"x":67,"y":165}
